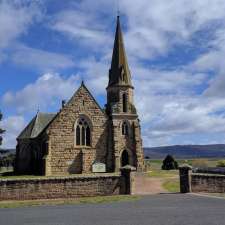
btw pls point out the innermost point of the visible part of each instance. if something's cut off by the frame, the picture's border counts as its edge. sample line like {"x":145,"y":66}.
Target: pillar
{"x":185,"y":178}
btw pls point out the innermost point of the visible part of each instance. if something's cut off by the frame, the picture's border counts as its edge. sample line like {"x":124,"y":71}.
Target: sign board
{"x":69,"y":162}
{"x":98,"y":168}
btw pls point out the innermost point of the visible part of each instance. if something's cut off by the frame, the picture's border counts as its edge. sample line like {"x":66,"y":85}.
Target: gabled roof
{"x":78,"y":90}
{"x":36,"y":125}
{"x":119,"y":74}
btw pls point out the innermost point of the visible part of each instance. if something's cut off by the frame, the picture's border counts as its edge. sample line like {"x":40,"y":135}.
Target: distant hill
{"x":178,"y":151}
{"x":187,"y":151}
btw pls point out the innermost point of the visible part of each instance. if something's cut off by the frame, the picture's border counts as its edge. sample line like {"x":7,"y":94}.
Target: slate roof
{"x":36,"y":125}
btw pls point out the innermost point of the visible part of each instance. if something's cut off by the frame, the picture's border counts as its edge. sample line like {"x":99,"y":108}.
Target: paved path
{"x":144,"y":184}
{"x":169,"y":209}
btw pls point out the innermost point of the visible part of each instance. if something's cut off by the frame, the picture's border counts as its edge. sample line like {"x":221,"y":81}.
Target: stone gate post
{"x":185,"y":178}
{"x":127,"y":173}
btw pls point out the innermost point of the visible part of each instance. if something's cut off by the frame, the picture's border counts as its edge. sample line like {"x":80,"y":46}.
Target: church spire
{"x":119,"y":74}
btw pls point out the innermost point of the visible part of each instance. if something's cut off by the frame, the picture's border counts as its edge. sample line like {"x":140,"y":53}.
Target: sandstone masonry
{"x":61,"y":187}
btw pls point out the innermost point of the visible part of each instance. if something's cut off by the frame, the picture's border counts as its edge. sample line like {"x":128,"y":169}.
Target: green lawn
{"x":83,"y":200}
{"x":172,"y":185}
{"x":6,"y":170}
{"x":163,"y":173}
{"x":154,"y":167}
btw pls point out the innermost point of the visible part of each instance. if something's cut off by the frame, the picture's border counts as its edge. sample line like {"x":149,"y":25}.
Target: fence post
{"x":185,"y":178}
{"x":127,"y":173}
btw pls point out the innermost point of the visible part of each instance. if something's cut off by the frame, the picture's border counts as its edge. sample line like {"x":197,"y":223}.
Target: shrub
{"x":221,"y":163}
{"x":169,"y":163}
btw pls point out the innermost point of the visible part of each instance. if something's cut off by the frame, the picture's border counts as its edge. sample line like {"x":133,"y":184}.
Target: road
{"x":169,"y":209}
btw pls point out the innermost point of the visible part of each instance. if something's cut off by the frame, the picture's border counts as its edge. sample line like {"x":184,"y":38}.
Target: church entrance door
{"x":125,"y":158}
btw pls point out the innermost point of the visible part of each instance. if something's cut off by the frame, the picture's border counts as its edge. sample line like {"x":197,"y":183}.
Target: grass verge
{"x":220,"y":195}
{"x":82,"y":200}
{"x":172,"y":185}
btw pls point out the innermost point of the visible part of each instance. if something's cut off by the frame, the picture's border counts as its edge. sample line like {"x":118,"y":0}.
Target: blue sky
{"x":175,"y":49}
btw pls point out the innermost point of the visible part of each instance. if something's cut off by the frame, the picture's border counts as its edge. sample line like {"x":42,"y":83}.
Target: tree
{"x":1,"y":130}
{"x":169,"y":163}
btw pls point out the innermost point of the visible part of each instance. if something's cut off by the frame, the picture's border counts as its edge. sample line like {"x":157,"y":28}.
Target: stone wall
{"x":200,"y":182}
{"x":64,"y":187}
{"x":213,"y":183}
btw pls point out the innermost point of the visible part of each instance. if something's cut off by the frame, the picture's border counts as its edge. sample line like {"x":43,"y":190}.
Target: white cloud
{"x":83,"y":28}
{"x":41,"y":60}
{"x":155,"y":27}
{"x":15,"y":18}
{"x":13,"y":126}
{"x":95,"y":74}
{"x":47,"y":91}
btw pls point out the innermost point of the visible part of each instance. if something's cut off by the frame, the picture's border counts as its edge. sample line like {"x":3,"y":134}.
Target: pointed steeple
{"x":119,"y":74}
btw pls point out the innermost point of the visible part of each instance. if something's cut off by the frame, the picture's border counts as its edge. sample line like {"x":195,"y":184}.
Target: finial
{"x":118,"y":9}
{"x":82,"y":82}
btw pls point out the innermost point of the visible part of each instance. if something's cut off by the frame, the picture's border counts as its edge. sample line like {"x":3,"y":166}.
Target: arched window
{"x":124,"y":102}
{"x":125,"y":128}
{"x":83,"y":133}
{"x":88,"y":136}
{"x":78,"y":135}
{"x":125,"y":158}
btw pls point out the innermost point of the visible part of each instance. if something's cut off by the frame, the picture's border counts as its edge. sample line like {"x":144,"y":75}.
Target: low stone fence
{"x":64,"y":187}
{"x":200,"y":182}
{"x":212,"y":183}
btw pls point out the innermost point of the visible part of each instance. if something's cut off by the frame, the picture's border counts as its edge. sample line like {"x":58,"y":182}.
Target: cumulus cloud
{"x":164,"y":118}
{"x":82,"y":28}
{"x":162,"y":25}
{"x":41,"y":60}
{"x":47,"y":91}
{"x":95,"y":74}
{"x":15,"y":18}
{"x":13,"y":126}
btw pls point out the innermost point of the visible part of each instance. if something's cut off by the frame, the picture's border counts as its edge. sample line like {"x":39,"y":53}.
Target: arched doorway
{"x":125,"y":158}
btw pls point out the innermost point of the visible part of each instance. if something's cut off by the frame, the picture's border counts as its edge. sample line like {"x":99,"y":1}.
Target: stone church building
{"x":82,"y":133}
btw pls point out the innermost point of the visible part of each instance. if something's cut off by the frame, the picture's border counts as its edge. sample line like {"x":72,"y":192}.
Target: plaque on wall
{"x":70,"y":162}
{"x":98,"y":167}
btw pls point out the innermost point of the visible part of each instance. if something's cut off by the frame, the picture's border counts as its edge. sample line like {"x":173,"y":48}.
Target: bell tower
{"x":125,"y":145}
